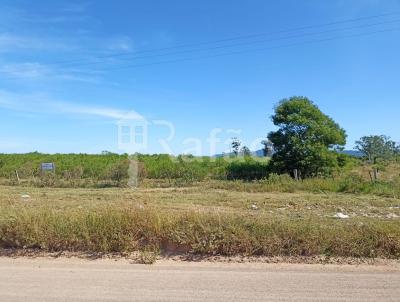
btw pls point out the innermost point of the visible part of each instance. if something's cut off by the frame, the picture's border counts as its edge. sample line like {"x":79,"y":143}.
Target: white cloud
{"x":122,"y":43}
{"x":25,"y":70}
{"x":69,"y":12}
{"x":41,"y":103}
{"x":21,"y":39}
{"x":5,"y":103}
{"x":74,"y":7}
{"x":37,"y":71}
{"x":21,"y":30}
{"x":111,"y":113}
{"x":14,"y":42}
{"x":11,"y":42}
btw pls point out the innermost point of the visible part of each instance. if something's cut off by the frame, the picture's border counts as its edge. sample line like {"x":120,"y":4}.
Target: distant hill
{"x":258,"y":153}
{"x":354,"y":153}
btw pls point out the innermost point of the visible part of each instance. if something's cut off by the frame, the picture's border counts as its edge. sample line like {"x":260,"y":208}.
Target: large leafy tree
{"x":306,"y":140}
{"x":377,"y":146}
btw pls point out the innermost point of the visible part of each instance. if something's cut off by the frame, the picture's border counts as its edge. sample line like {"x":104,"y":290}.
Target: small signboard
{"x":47,"y":167}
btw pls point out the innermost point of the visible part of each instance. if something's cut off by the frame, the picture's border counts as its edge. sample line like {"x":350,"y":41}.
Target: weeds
{"x":147,"y":256}
{"x":109,"y":229}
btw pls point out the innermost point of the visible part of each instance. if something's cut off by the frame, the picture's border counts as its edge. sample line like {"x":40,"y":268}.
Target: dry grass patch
{"x":198,"y":221}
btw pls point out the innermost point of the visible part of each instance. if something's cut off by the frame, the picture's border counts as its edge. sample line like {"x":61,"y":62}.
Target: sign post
{"x":47,"y":167}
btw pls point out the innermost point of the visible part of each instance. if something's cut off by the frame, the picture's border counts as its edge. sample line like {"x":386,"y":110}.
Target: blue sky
{"x":70,"y":70}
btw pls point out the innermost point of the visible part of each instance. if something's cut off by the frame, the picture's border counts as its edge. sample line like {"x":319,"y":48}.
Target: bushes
{"x":71,"y":169}
{"x":190,"y":169}
{"x":186,"y":169}
{"x":118,"y":172}
{"x":351,"y":184}
{"x":163,"y":166}
{"x":112,"y":169}
{"x":248,"y":169}
{"x":74,"y":165}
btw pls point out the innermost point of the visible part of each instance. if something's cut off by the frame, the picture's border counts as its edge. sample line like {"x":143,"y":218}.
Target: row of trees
{"x":310,"y":142}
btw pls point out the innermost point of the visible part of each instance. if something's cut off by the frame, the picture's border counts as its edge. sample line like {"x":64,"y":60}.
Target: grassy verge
{"x":126,"y":230}
{"x":198,"y":222}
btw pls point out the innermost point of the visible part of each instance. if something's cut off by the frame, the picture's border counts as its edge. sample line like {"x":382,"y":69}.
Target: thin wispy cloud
{"x":24,"y":35}
{"x":55,"y":19}
{"x":22,"y":30}
{"x":75,"y":7}
{"x":33,"y":71}
{"x":121,"y":43}
{"x":68,"y":13}
{"x":5,"y":102}
{"x":43,"y":104}
{"x":112,"y":113}
{"x":11,"y":42}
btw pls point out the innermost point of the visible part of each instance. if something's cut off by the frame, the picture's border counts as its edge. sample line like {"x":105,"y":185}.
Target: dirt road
{"x":62,"y":279}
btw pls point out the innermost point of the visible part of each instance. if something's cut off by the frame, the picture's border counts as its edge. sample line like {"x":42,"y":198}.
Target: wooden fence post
{"x":296,"y":174}
{"x":375,"y":174}
{"x":16,"y":174}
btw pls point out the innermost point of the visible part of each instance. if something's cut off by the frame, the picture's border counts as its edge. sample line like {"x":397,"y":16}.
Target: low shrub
{"x":248,"y":169}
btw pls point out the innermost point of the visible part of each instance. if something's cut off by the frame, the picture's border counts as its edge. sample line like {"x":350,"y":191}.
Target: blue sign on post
{"x":47,"y":167}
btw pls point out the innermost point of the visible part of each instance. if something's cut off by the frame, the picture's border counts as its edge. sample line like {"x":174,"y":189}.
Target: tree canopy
{"x":377,"y":146}
{"x":306,"y":140}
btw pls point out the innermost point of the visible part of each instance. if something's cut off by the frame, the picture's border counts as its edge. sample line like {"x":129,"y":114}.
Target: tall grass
{"x":110,"y":229}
